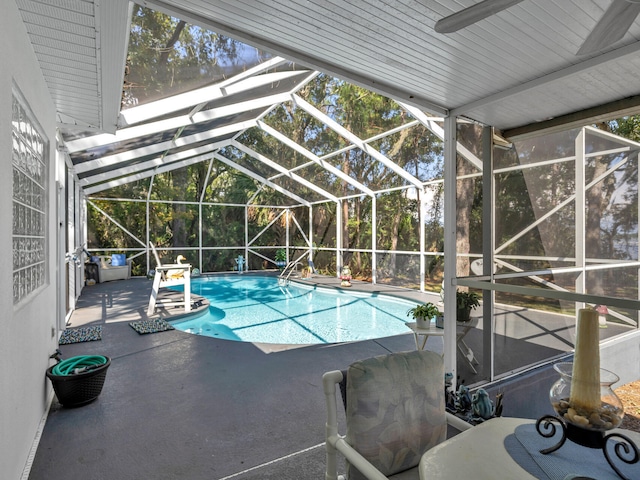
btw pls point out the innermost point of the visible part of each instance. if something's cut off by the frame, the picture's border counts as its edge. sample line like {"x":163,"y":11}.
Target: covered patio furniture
{"x":395,"y":412}
{"x":112,"y":267}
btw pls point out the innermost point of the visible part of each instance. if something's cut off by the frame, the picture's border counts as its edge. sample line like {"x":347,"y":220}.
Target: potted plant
{"x":281,"y":258}
{"x":423,"y":314}
{"x":465,"y":302}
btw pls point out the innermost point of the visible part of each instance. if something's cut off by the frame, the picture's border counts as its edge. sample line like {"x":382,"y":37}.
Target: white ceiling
{"x":513,"y":69}
{"x":81,"y":47}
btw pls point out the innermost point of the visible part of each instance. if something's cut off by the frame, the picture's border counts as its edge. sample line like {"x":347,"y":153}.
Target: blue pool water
{"x":256,"y":309}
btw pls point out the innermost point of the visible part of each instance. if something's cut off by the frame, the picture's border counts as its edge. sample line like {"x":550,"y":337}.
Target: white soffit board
{"x":81,"y":48}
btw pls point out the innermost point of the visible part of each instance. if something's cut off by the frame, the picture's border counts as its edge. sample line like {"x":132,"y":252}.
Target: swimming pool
{"x":252,"y":308}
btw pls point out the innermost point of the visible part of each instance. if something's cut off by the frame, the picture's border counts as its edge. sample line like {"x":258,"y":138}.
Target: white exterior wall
{"x":28,"y":334}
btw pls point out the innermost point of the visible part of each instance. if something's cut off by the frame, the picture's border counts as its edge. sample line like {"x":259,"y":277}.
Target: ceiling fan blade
{"x":611,"y":27}
{"x":472,"y":14}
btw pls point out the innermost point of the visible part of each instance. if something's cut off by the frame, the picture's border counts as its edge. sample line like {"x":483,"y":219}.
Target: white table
{"x":482,"y":453}
{"x":424,"y":333}
{"x":462,"y":329}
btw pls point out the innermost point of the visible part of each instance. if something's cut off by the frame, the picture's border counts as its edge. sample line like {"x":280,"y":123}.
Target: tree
{"x":367,"y":114}
{"x":162,"y":48}
{"x":469,"y":197}
{"x":167,"y":56}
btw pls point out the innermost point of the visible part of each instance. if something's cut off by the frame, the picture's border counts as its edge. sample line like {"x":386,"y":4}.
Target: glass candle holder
{"x":605,"y":417}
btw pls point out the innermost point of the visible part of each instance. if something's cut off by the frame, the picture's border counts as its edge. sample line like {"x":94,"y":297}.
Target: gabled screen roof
{"x":168,"y":56}
{"x":268,"y":118}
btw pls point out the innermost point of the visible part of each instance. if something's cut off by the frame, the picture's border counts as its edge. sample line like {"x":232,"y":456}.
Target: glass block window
{"x":30,"y":201}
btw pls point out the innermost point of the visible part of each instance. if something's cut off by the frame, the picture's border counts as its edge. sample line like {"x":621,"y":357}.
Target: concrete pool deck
{"x":176,"y":405}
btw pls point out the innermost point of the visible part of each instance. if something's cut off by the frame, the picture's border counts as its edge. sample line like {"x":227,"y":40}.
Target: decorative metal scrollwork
{"x":624,"y":449}
{"x":546,"y":427}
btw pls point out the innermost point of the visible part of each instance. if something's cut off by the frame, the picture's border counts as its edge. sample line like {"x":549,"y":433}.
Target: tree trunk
{"x":345,"y":212}
{"x":179,"y":209}
{"x":597,"y":198}
{"x":465,"y":198}
{"x":395,"y":225}
{"x":358,"y":240}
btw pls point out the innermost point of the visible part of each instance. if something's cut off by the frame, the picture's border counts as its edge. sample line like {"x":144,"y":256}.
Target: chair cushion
{"x":118,"y":260}
{"x":395,"y":409}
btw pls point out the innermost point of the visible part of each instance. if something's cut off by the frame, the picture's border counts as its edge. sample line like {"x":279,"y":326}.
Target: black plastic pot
{"x":79,"y":389}
{"x":463,"y":314}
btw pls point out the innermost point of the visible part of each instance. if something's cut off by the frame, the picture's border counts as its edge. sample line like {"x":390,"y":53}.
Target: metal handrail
{"x":282,"y":280}
{"x":290,"y":267}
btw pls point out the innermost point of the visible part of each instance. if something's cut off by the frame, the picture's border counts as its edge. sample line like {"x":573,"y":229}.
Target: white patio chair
{"x":169,"y":275}
{"x":395,"y":411}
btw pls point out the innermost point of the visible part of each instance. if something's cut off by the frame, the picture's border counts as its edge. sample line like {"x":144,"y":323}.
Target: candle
{"x":585,"y":378}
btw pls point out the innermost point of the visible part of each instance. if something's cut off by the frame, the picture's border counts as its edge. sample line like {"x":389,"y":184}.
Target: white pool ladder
{"x":283,"y":278}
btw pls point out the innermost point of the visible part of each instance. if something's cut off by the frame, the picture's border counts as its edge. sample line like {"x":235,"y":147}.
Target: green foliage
{"x":467,"y":300}
{"x":628,"y":127}
{"x":427,"y":310}
{"x":105,"y":233}
{"x":168,"y":56}
{"x":624,"y":219}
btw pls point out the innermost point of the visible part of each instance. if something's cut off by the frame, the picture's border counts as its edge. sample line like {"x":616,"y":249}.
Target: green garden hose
{"x":79,"y":364}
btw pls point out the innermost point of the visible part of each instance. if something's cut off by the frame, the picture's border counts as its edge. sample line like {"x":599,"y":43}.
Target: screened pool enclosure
{"x":274,"y":156}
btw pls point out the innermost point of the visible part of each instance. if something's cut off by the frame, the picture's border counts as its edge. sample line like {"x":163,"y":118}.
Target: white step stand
{"x":161,"y":279}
